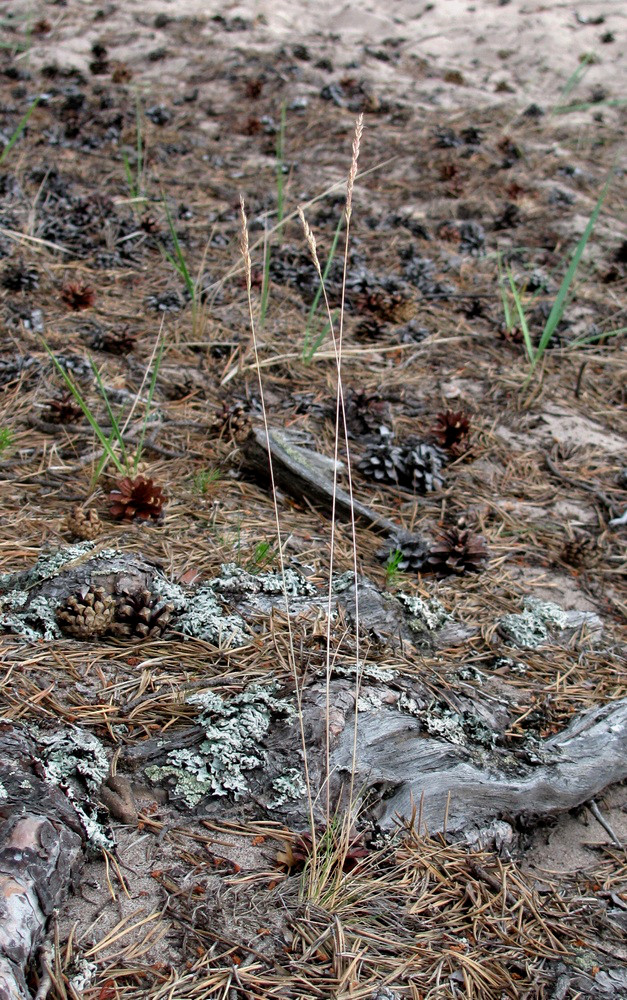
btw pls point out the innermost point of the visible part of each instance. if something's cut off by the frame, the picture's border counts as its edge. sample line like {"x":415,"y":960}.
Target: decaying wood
{"x":306,"y":475}
{"x":41,"y":850}
{"x":464,"y":788}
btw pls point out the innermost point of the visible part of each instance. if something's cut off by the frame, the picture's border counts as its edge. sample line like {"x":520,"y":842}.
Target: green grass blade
{"x":280,"y":180}
{"x":573,"y":80}
{"x":18,"y":131}
{"x":179,"y":263}
{"x":265,"y":288}
{"x":151,"y":392}
{"x":76,"y":393}
{"x":594,"y":337}
{"x":557,"y":311}
{"x":140,"y":152}
{"x":306,"y":355}
{"x":523,"y":320}
{"x":116,"y":432}
{"x":129,"y":175}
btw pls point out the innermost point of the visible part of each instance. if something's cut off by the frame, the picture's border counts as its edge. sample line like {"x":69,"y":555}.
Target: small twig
{"x":579,"y":484}
{"x":596,"y":812}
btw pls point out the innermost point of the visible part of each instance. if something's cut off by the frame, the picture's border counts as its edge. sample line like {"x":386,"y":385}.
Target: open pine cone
{"x":458,"y":551}
{"x":451,"y":429}
{"x":423,"y":467}
{"x":136,"y":499}
{"x":140,"y":615}
{"x":83,"y":524}
{"x":413,"y":549}
{"x":87,"y":614}
{"x":232,"y":421}
{"x":63,"y":410}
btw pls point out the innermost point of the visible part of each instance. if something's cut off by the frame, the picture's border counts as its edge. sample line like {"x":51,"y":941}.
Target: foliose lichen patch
{"x":289,"y":787}
{"x":232,"y":745}
{"x":234,"y":579}
{"x":530,"y":628}
{"x":424,"y":616}
{"x":75,"y":760}
{"x":461,"y":728}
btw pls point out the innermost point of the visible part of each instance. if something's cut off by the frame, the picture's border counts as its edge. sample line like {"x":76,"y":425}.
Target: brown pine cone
{"x":136,"y":499}
{"x":87,"y":614}
{"x":83,"y":524}
{"x":140,"y":615}
{"x":457,"y":551}
{"x":451,"y":430}
{"x":232,"y":422}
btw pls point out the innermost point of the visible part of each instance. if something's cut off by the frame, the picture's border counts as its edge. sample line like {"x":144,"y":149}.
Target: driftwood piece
{"x":41,"y":850}
{"x":305,"y":474}
{"x":464,"y":787}
{"x":461,"y":787}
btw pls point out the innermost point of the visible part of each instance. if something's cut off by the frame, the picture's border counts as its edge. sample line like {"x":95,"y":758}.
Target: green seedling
{"x":535,"y":354}
{"x":6,"y":439}
{"x":21,"y":125}
{"x":177,"y":259}
{"x":280,"y":175}
{"x":391,"y":567}
{"x":205,"y":479}
{"x":136,"y":182}
{"x":263,"y":555}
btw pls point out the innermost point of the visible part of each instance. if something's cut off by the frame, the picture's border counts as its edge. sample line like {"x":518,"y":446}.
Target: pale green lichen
{"x":84,"y":975}
{"x":367,"y":671}
{"x":529,"y":629}
{"x":235,"y":579}
{"x":3,"y":793}
{"x":234,"y":733}
{"x":369,"y":700}
{"x":206,"y":620}
{"x":425,"y":616}
{"x":35,"y":621}
{"x":78,"y":755}
{"x":48,"y":565}
{"x":343,"y":582}
{"x":289,"y":787}
{"x":461,"y":728}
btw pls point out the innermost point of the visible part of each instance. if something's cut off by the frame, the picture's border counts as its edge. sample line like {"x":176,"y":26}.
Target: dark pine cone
{"x":365,"y":412}
{"x":136,"y":499}
{"x":118,"y":342}
{"x":78,"y":296}
{"x":87,"y":614}
{"x":20,"y":278}
{"x":423,"y":464}
{"x":413,"y":549}
{"x":384,"y":462}
{"x":457,"y":551}
{"x":62,"y":411}
{"x":370,"y":329}
{"x":232,"y":421}
{"x":451,"y":429}
{"x":140,"y":615}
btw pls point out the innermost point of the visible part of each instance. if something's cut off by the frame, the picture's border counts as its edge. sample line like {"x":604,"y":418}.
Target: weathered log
{"x":464,"y":787}
{"x":307,"y":475}
{"x":41,"y":849}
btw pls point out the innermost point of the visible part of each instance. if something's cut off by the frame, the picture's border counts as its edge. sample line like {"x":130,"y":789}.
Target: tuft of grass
{"x":535,"y":354}
{"x":264,"y":555}
{"x":113,"y":444}
{"x":205,"y":479}
{"x":6,"y":439}
{"x":391,"y":567}
{"x":312,"y":343}
{"x":573,"y":81}
{"x":21,"y":125}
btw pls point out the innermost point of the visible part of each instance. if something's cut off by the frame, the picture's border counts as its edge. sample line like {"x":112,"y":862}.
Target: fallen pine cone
{"x":458,"y":551}
{"x":87,"y":614}
{"x":84,"y":524}
{"x":136,"y":499}
{"x":140,"y":615}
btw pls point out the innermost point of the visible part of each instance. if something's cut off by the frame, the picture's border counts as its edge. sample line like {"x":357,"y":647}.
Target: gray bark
{"x":41,"y":849}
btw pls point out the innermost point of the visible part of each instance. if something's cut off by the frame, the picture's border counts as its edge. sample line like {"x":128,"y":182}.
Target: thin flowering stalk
{"x":340,"y":411}
{"x":245,"y":251}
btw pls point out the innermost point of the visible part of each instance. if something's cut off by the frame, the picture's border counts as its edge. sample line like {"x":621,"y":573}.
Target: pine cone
{"x":232,"y":422}
{"x":83,"y":524}
{"x":118,"y":342}
{"x":137,"y":498}
{"x":62,"y":411}
{"x":19,"y":277}
{"x":450,"y":430}
{"x":370,"y":329}
{"x":87,"y":614}
{"x":78,"y":296}
{"x":365,"y":412}
{"x":423,"y":467}
{"x":413,"y":549}
{"x":384,"y":462}
{"x":140,"y":615}
{"x":457,"y":551}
